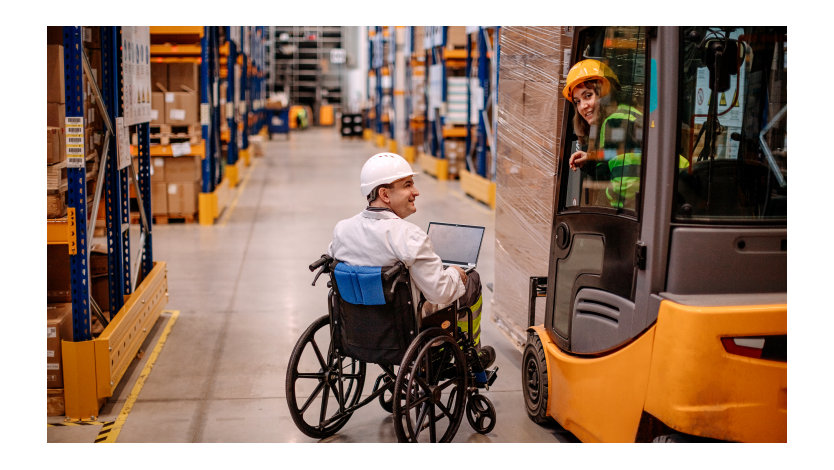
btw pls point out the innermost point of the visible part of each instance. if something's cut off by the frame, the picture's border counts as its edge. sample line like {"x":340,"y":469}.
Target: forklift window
{"x":610,"y":178}
{"x":732,"y":125}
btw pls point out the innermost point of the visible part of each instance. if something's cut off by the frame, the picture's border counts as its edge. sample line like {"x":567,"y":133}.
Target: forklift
{"x":665,"y":314}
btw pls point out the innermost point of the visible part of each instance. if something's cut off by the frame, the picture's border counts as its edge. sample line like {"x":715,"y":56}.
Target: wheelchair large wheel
{"x":320,"y":383}
{"x":430,"y":389}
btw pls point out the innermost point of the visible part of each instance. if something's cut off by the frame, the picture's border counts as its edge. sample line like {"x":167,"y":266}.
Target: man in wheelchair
{"x":379,"y":236}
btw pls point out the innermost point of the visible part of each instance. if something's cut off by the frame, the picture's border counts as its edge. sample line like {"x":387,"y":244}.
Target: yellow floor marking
{"x":231,"y":208}
{"x":140,"y":382}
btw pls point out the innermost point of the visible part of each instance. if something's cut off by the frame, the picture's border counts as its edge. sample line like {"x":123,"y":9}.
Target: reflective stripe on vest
{"x":622,"y":112}
{"x":625,"y":178}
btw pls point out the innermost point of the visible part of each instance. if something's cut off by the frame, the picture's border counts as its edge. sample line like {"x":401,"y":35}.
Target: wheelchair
{"x":431,"y":376}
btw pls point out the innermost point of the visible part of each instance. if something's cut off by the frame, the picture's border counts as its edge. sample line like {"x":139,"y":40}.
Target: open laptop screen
{"x":456,"y":244}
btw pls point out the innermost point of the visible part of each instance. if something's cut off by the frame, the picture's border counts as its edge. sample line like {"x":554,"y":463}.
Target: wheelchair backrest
{"x":372,"y":319}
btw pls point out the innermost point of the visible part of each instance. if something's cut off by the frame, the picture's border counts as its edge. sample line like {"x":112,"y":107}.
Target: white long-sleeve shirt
{"x":381,"y":238}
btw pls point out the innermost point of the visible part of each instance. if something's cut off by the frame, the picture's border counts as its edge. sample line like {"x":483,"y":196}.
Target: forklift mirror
{"x":722,"y":58}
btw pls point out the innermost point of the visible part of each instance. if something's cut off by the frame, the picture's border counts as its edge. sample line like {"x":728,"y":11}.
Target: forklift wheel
{"x":534,"y":379}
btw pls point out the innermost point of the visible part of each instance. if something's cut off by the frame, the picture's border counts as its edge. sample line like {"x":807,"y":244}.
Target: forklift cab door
{"x":596,"y":223}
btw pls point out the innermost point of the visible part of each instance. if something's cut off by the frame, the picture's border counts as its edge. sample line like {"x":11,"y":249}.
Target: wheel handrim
{"x":433,"y":404}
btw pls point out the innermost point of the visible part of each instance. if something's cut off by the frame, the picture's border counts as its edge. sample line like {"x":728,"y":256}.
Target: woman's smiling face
{"x":586,"y":101}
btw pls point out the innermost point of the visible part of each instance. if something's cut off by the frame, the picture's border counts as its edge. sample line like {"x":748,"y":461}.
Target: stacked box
{"x":182,"y":184}
{"x":55,"y":135}
{"x":58,"y":328}
{"x":455,"y":152}
{"x":56,"y":118}
{"x":530,"y":113}
{"x":175,"y":100}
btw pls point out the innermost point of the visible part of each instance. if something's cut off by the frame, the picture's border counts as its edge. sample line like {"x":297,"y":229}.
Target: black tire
{"x":480,"y":413}
{"x":428,"y":400}
{"x":534,"y":380}
{"x":315,"y":372}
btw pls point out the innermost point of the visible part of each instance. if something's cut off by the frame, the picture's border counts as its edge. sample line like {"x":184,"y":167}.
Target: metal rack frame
{"x":94,"y":366}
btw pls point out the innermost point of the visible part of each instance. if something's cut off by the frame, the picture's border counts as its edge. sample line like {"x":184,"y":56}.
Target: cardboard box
{"x":182,"y":108}
{"x":185,"y":169}
{"x":58,"y":328}
{"x":157,"y":108}
{"x":159,"y":198}
{"x":157,"y":168}
{"x":182,"y":198}
{"x":57,"y":274}
{"x":56,"y":114}
{"x":56,"y":206}
{"x":182,"y":76}
{"x":456,"y":37}
{"x":159,"y":75}
{"x":56,"y":141}
{"x":91,"y":36}
{"x":55,"y":74}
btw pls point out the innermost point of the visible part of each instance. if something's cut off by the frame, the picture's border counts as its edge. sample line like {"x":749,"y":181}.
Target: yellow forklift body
{"x":598,"y":399}
{"x":697,"y":387}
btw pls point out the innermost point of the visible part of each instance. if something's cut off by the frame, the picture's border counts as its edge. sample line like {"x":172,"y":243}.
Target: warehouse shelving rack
{"x":382,"y":51}
{"x":478,"y":180}
{"x":297,"y":64}
{"x":438,"y":58}
{"x":202,"y":44}
{"x":93,"y":367}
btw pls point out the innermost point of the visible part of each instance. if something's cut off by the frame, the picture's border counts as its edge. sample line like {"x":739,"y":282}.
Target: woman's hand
{"x":577,"y":160}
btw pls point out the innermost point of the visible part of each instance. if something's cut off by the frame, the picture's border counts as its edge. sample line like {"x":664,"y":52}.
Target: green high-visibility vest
{"x":624,"y":168}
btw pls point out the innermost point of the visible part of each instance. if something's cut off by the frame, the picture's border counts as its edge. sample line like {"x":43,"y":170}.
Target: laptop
{"x":456,"y":244}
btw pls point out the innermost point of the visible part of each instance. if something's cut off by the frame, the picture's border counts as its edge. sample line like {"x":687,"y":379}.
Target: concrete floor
{"x":240,"y":297}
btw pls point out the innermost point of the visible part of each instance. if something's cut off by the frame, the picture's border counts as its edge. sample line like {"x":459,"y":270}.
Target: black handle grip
{"x":316,"y":264}
{"x":393,"y":271}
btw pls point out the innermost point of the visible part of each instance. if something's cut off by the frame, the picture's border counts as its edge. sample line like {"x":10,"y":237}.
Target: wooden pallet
{"x":165,"y":219}
{"x":174,"y":218}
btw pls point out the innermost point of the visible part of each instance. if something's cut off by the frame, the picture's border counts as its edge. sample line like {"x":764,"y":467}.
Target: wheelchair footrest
{"x":491,"y":375}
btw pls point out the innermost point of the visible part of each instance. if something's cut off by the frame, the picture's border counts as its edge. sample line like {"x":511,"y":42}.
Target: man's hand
{"x":462,"y":273}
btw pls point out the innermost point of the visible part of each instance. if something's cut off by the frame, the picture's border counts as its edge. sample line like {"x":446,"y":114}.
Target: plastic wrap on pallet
{"x":530,"y":110}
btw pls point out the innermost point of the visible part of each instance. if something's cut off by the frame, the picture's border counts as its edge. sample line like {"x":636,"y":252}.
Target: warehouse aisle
{"x":240,"y":296}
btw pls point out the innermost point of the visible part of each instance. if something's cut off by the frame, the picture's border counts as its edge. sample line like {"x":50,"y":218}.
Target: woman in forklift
{"x":610,"y":134}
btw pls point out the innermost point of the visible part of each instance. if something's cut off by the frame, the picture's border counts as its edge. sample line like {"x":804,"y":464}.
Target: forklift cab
{"x":702,"y":225}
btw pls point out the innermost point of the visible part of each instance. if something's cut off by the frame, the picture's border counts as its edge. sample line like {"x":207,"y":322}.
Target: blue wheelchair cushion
{"x":360,"y":285}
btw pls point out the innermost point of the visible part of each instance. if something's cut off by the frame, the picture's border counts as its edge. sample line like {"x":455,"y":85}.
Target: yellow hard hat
{"x":588,"y":69}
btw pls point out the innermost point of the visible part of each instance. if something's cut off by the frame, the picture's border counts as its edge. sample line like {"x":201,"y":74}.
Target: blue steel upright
{"x":207,"y":164}
{"x":231,"y":154}
{"x":484,"y":80}
{"x":244,"y":87}
{"x":117,"y":207}
{"x":77,"y":188}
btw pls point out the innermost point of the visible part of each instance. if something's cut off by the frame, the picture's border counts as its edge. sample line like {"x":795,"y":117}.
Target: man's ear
{"x":383,"y":196}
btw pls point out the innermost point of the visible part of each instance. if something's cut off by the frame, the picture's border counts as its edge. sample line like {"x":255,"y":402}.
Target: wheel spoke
{"x":311,"y":397}
{"x":324,"y":403}
{"x":322,"y":362}
{"x":441,"y":365}
{"x":310,"y":375}
{"x":432,"y":424}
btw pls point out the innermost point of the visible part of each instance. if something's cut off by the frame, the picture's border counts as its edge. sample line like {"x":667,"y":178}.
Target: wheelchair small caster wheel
{"x":480,"y":413}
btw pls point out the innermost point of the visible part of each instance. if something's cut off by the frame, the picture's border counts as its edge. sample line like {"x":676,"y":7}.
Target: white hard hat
{"x":383,"y":168}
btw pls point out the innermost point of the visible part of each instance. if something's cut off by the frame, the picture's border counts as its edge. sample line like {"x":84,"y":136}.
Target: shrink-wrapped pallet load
{"x":533,"y":66}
